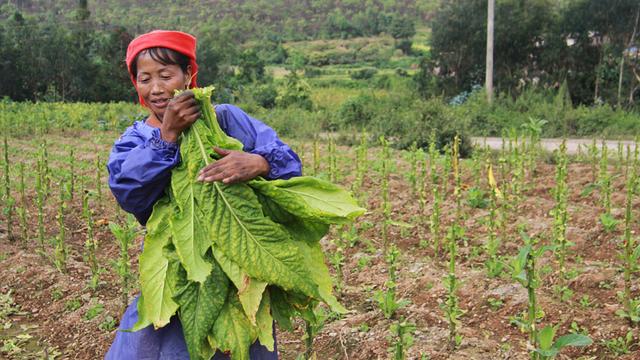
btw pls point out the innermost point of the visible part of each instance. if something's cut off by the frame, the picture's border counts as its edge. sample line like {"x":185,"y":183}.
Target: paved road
{"x":552,"y":144}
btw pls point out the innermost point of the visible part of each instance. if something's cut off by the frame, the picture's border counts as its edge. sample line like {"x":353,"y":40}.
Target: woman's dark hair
{"x":164,"y":56}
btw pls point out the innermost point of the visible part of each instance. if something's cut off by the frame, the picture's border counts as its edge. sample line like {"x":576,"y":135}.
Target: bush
{"x":435,"y":116}
{"x":296,"y":92}
{"x":363,"y":74}
{"x":265,"y":95}
{"x":382,"y":81}
{"x":356,"y":112}
{"x":405,"y":120}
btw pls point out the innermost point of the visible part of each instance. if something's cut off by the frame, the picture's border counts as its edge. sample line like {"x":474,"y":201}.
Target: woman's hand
{"x":234,"y":167}
{"x":181,"y":112}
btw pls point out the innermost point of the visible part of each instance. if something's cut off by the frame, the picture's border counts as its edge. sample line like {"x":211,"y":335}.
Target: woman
{"x":140,"y":164}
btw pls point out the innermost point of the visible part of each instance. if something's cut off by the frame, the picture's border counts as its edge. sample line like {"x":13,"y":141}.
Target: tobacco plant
{"x":40,"y":200}
{"x":534,"y":129}
{"x":476,"y":167}
{"x":91,"y":243}
{"x":22,"y":210}
{"x":604,"y":182}
{"x":46,"y":171}
{"x":620,"y":161}
{"x":631,"y":251}
{"x":362,"y":163}
{"x":125,"y":235}
{"x":517,"y":178}
{"x":387,"y":300}
{"x":422,"y":180}
{"x":493,"y":263}
{"x":386,"y":205}
{"x":560,"y":214}
{"x":9,"y":202}
{"x":455,"y":233}
{"x":434,"y":225}
{"x":337,"y":260}
{"x":593,"y":156}
{"x":72,"y":174}
{"x":446,"y":169}
{"x":523,"y":270}
{"x":422,"y":194}
{"x":98,"y":169}
{"x":314,"y":323}
{"x":401,"y":338}
{"x":412,"y":175}
{"x":60,"y":248}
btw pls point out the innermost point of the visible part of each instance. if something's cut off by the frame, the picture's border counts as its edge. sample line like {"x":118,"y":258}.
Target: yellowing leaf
{"x":265,"y":323}
{"x":492,"y":182}
{"x":232,"y":331}
{"x":249,"y":290}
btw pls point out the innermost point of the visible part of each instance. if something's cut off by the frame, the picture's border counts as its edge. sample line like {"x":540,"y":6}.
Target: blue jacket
{"x":139,"y":170}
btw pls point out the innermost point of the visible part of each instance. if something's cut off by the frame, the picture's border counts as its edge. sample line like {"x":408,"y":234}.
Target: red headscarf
{"x":174,"y":40}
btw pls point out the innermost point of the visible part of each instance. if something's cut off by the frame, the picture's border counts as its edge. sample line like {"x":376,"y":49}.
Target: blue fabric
{"x":140,"y":161}
{"x":139,"y":170}
{"x":166,"y":343}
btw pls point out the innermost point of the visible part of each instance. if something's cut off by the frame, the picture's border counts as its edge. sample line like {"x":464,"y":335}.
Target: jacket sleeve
{"x":139,"y":171}
{"x":260,"y":139}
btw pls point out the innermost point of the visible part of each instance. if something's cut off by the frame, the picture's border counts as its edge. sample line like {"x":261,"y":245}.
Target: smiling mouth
{"x":160,"y":103}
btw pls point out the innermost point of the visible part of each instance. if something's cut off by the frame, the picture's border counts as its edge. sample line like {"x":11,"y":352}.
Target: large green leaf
{"x":257,"y":244}
{"x":314,"y":260}
{"x":298,"y":228}
{"x":232,"y":332}
{"x":265,"y":323}
{"x":572,"y":340}
{"x":545,"y":337}
{"x":200,"y":306}
{"x":249,"y":290}
{"x":193,"y":201}
{"x":157,"y":276}
{"x":143,"y":318}
{"x":310,"y":198}
{"x":281,"y":310}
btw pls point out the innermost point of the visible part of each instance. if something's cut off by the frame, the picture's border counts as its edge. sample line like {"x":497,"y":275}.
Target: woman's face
{"x":157,"y":82}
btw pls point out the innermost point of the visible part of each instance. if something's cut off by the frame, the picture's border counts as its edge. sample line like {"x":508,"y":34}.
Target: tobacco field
{"x":511,"y":253}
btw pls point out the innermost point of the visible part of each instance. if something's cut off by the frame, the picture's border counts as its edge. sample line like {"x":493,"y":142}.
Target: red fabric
{"x":174,"y":40}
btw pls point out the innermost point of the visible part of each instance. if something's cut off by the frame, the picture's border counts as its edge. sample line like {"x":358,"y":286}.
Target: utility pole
{"x":488,"y":80}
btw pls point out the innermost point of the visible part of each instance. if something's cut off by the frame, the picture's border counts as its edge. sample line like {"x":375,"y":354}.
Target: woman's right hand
{"x":181,"y":112}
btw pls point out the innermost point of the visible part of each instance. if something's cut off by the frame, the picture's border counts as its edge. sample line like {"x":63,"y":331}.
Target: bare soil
{"x":58,"y":302}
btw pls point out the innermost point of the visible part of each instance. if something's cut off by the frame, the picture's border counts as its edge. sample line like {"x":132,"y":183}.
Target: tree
{"x":402,"y":29}
{"x":251,"y":66}
{"x":597,"y":32}
{"x":459,"y":42}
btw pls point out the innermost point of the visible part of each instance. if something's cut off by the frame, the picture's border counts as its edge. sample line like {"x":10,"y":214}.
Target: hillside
{"x":287,"y":19}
